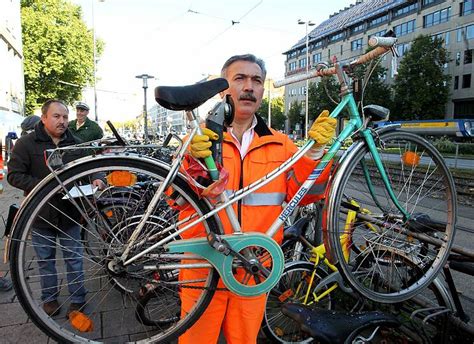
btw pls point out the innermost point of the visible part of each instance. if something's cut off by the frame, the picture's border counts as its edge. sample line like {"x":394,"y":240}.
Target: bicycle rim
{"x":370,"y":250}
{"x":113,"y":294}
{"x":292,"y":287}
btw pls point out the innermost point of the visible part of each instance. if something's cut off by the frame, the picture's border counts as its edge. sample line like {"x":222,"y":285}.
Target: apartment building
{"x":345,"y":35}
{"x":12,"y":90}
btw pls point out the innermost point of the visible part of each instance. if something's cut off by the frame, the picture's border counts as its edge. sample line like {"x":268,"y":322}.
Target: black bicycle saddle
{"x":189,"y":97}
{"x":329,"y":326}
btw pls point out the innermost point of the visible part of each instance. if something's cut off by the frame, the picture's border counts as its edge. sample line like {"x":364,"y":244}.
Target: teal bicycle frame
{"x":242,"y":241}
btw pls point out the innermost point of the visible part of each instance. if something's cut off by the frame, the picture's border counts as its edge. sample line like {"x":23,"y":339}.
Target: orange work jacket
{"x":267,"y":151}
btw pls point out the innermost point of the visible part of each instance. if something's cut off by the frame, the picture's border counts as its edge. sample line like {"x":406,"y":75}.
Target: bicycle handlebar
{"x":381,"y":44}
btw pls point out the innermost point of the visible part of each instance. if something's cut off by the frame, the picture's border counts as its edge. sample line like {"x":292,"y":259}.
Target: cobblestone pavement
{"x":15,"y":327}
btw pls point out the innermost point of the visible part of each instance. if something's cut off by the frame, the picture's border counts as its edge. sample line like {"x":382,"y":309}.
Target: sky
{"x":181,"y":42}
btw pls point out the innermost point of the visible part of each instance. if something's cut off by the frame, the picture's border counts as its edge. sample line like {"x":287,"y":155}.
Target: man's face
{"x":55,"y":120}
{"x":81,"y":114}
{"x":245,"y":87}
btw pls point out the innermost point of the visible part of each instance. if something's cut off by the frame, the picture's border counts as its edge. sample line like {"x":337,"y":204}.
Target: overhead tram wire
{"x":233,"y":22}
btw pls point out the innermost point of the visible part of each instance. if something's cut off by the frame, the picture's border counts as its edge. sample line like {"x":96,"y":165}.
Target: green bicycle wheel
{"x":114,"y":291}
{"x":377,"y":243}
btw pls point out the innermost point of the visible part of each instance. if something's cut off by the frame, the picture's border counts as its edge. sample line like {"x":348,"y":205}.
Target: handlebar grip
{"x":370,"y":55}
{"x":386,"y":42}
{"x":302,"y":77}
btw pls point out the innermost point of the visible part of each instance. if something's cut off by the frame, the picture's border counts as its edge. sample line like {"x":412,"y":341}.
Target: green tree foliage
{"x":295,"y":114}
{"x":421,"y":87}
{"x":376,"y":91}
{"x":277,"y":107}
{"x":320,"y":95}
{"x":58,"y":51}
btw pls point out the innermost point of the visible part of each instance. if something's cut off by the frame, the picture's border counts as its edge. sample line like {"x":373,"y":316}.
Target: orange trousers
{"x":239,"y":318}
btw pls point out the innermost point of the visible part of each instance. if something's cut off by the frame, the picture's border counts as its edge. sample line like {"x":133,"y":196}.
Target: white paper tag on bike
{"x":81,"y":191}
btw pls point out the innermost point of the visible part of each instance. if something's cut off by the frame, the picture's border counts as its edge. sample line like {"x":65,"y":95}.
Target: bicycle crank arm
{"x":224,"y":263}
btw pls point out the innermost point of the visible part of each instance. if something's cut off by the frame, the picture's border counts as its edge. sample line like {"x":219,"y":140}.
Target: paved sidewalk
{"x":15,"y":327}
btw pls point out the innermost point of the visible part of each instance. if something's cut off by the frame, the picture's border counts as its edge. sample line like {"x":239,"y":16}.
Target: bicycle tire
{"x":111,"y":310}
{"x":405,"y":157}
{"x":277,"y":327}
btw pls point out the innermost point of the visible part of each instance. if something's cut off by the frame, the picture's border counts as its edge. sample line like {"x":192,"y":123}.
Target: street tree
{"x":322,"y":96}
{"x":277,"y":108}
{"x":422,"y":87}
{"x":376,"y":91}
{"x":58,"y":51}
{"x":295,"y":114}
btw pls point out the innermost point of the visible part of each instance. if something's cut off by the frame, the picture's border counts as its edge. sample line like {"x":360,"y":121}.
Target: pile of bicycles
{"x":389,"y":225}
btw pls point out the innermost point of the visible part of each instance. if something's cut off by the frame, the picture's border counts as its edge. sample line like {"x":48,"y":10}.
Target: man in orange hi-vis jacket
{"x":250,"y":151}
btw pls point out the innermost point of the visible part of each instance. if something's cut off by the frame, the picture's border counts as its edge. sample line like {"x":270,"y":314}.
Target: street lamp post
{"x":145,"y":78}
{"x":94,"y":53}
{"x":306,"y":23}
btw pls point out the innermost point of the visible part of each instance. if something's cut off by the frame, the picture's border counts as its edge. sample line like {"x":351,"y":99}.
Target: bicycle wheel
{"x":294,"y":283}
{"x":370,"y":250}
{"x":111,"y":310}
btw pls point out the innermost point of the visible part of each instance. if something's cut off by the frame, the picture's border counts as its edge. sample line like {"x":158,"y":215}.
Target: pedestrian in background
{"x":83,"y":127}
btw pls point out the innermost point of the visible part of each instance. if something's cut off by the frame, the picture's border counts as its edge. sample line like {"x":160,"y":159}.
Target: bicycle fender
{"x":223,"y":263}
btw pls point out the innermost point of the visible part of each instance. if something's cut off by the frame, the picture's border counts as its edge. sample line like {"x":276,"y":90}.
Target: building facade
{"x":345,"y":35}
{"x":12,"y":89}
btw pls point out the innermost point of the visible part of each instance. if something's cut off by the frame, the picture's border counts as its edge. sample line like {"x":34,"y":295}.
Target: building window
{"x":404,"y":10}
{"x":356,"y":44}
{"x":466,"y":7}
{"x":446,"y":38}
{"x":336,"y":36}
{"x":405,"y":28}
{"x":378,"y":33}
{"x":378,"y":21}
{"x":468,"y":56}
{"x":456,"y":82}
{"x":470,"y":32}
{"x":316,"y":45}
{"x":403,"y":48}
{"x":302,"y":63}
{"x":316,"y":58}
{"x":428,"y":2}
{"x":466,"y":81}
{"x":436,"y":17}
{"x":358,"y":28}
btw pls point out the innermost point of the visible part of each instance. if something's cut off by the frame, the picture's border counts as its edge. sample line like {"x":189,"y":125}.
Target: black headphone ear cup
{"x":229,"y":115}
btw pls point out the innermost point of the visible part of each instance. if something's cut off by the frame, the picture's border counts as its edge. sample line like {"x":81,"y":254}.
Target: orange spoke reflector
{"x":81,"y":322}
{"x":121,"y":178}
{"x":109,"y":213}
{"x":283,"y":297}
{"x":410,"y":158}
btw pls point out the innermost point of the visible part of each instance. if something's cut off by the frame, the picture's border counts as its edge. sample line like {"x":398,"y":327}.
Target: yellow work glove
{"x":323,"y":129}
{"x":200,"y":144}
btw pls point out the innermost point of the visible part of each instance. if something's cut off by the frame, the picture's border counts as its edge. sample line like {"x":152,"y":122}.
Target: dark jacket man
{"x":27,"y":166}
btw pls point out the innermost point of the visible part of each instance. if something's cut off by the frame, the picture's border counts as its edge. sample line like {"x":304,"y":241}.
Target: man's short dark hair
{"x":46,"y":104}
{"x":246,"y":57}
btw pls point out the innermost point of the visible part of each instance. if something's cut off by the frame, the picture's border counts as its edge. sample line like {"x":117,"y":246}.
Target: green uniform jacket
{"x":89,"y":131}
